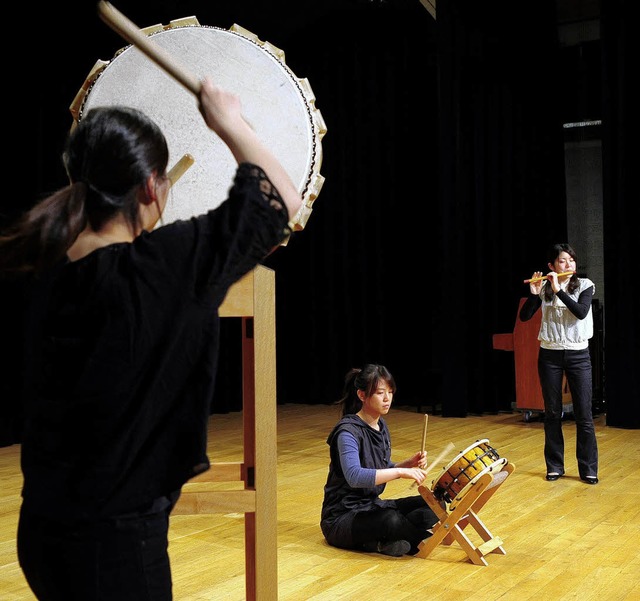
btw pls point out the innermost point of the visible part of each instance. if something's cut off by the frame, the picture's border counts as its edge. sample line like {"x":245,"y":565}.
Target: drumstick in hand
{"x":437,"y":460}
{"x":130,"y":32}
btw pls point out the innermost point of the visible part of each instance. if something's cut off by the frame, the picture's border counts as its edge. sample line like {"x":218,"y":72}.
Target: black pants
{"x":122,"y":559}
{"x":409,"y":521}
{"x":577,"y":366}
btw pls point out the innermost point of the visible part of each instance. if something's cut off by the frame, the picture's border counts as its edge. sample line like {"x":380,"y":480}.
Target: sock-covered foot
{"x":396,"y":548}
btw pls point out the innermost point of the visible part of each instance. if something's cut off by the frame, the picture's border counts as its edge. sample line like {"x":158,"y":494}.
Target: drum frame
{"x":444,"y":492}
{"x":458,"y":519}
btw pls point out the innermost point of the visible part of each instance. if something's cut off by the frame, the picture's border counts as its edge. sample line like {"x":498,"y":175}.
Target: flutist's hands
{"x":536,"y":286}
{"x":552,"y":277}
{"x":538,"y":279}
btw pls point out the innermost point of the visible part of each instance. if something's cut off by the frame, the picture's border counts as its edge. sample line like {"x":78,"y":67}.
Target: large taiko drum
{"x":465,"y":469}
{"x":277,"y":104}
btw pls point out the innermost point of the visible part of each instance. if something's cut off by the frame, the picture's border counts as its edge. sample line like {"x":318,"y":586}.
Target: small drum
{"x":461,"y":473}
{"x":278,"y":105}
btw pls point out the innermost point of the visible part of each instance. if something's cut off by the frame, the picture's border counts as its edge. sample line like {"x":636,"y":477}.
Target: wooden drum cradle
{"x":458,"y":494}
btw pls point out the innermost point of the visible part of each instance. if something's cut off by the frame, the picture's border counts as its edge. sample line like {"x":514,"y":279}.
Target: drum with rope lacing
{"x":277,"y":104}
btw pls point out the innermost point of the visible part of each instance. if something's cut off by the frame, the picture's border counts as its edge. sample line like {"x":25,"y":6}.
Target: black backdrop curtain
{"x":622,"y":320}
{"x":500,"y":202}
{"x":502,"y":195}
{"x":444,"y":185}
{"x":426,"y":292}
{"x":360,"y":283}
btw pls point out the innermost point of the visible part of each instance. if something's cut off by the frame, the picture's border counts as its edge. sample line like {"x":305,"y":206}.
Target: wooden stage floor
{"x":563,"y":540}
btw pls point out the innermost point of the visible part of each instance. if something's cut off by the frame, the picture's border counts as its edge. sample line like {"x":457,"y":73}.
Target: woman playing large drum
{"x":122,"y":344}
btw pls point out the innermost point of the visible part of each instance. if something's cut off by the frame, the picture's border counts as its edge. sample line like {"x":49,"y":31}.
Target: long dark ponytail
{"x":108,"y":155}
{"x":366,"y":379}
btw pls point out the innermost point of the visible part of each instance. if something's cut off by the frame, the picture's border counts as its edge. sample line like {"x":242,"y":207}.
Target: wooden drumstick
{"x":130,"y":32}
{"x":437,"y":460}
{"x":177,"y":171}
{"x":424,"y":433}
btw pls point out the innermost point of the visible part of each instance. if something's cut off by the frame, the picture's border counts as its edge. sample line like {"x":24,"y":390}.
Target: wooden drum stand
{"x":461,"y":512}
{"x":252,"y":299}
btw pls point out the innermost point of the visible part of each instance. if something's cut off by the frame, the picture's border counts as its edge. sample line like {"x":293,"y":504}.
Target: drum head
{"x":279,"y":107}
{"x":457,"y":458}
{"x":465,"y":470}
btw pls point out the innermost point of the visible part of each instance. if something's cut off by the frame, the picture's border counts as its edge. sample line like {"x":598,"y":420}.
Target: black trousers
{"x":410,"y":521}
{"x":121,"y":559}
{"x":577,"y":367}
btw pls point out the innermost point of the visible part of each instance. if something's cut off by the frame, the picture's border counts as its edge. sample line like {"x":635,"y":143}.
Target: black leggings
{"x":410,"y":521}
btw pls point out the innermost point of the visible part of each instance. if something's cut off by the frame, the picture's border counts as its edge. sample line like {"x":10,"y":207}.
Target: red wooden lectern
{"x":525,"y":345}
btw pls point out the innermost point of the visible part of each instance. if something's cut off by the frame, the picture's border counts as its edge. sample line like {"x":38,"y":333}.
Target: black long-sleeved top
{"x":122,"y":364}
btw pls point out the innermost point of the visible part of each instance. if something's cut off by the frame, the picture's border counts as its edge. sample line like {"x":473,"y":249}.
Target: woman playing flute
{"x":565,"y":330}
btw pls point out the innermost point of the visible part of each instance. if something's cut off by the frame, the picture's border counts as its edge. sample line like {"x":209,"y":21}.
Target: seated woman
{"x":353,"y":514}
